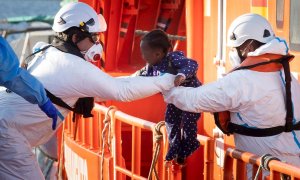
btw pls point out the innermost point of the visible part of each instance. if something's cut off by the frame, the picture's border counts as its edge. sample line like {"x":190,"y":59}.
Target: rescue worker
{"x":64,"y":70}
{"x":254,"y":97}
{"x":21,"y":82}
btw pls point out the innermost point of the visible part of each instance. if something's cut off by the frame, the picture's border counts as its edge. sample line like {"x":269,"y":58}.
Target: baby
{"x":155,"y":48}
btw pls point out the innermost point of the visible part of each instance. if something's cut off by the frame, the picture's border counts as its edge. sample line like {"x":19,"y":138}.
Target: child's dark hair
{"x":158,"y":39}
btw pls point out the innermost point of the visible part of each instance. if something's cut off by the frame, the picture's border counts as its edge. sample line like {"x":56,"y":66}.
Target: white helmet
{"x":249,"y":26}
{"x":79,"y":15}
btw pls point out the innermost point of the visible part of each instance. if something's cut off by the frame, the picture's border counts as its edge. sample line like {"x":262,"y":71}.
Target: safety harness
{"x":83,"y":106}
{"x":263,"y":63}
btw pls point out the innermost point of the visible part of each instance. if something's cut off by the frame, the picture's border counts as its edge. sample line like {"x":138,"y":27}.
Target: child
{"x":154,"y":48}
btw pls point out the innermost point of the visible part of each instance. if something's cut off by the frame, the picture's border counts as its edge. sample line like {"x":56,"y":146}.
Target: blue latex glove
{"x":51,"y":112}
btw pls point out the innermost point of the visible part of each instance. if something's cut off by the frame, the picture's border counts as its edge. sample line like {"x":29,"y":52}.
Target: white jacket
{"x":255,"y":99}
{"x":24,"y":125}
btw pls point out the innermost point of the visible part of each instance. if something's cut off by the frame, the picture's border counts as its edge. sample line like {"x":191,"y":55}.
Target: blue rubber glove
{"x":51,"y":112}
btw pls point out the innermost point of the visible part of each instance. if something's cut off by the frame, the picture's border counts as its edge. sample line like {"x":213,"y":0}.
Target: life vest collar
{"x":264,"y":63}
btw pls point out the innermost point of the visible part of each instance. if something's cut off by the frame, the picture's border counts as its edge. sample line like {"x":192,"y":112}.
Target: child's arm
{"x":186,"y":67}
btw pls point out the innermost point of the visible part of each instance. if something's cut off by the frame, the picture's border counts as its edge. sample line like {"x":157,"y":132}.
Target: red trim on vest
{"x":250,"y":60}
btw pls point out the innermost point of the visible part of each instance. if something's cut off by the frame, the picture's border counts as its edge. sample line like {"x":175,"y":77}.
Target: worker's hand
{"x":179,"y":80}
{"x":51,"y":112}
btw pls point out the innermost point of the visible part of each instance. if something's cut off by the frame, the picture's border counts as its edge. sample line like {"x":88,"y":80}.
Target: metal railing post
{"x":136,"y":151}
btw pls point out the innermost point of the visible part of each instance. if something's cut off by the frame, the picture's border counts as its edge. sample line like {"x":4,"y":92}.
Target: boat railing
{"x":209,"y":147}
{"x":236,"y":161}
{"x":137,"y":125}
{"x":160,"y":141}
{"x":102,"y":135}
{"x":83,"y":139}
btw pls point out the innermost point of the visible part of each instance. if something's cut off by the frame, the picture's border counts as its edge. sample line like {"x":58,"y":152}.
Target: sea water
{"x":20,"y":8}
{"x":14,"y":8}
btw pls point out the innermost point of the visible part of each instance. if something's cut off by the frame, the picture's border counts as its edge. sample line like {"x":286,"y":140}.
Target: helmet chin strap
{"x":243,"y":53}
{"x":240,"y":54}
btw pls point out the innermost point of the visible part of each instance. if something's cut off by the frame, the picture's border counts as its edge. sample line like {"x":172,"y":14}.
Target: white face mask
{"x":94,"y":53}
{"x":235,"y":59}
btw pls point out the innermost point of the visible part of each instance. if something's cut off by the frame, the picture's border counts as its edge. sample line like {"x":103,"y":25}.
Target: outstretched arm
{"x":91,"y":81}
{"x":213,"y":97}
{"x":129,"y":88}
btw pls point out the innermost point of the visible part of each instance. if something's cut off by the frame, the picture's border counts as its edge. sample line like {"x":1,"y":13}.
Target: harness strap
{"x":40,"y":50}
{"x":289,"y":104}
{"x":257,"y":132}
{"x":26,"y":62}
{"x":58,"y":101}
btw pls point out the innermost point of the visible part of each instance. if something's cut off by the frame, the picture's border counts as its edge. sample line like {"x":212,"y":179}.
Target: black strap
{"x":40,"y":50}
{"x":67,"y":47}
{"x":257,"y":132}
{"x":289,"y":104}
{"x":83,"y":106}
{"x":25,"y":65}
{"x":58,"y":101}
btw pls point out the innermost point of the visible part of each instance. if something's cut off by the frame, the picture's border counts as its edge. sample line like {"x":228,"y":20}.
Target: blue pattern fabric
{"x":180,"y":144}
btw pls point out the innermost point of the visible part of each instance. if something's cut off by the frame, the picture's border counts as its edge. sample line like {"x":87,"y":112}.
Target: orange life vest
{"x":263,"y":63}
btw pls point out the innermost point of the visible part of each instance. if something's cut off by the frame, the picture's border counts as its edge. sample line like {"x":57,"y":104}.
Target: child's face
{"x":151,"y":55}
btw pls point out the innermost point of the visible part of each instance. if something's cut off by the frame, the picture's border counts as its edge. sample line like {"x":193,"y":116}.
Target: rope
{"x":158,"y":137}
{"x":264,"y":164}
{"x":106,"y":137}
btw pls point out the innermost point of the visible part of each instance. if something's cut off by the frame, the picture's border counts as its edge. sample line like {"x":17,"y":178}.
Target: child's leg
{"x":189,"y":142}
{"x":173,"y":120}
